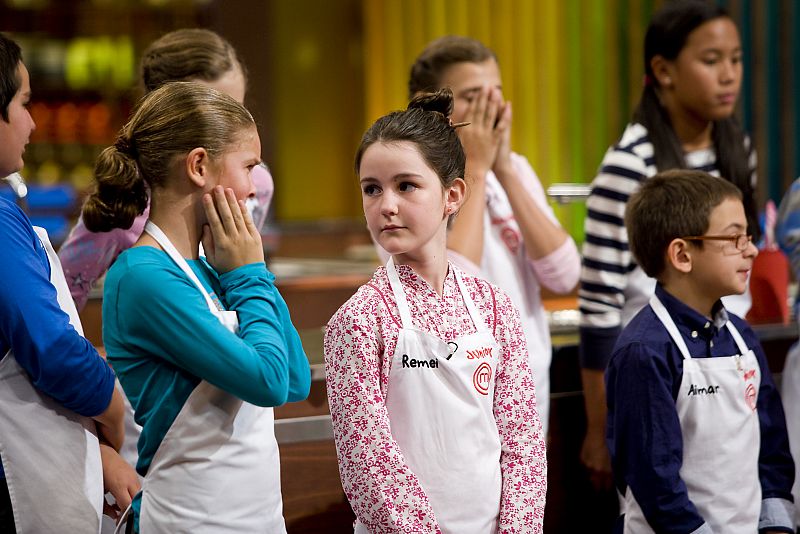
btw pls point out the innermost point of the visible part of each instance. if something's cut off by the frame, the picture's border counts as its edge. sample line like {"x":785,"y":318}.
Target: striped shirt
{"x":613,"y":288}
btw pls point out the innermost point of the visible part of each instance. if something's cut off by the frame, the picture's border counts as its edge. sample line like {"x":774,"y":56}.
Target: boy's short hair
{"x":10,"y":56}
{"x":670,"y":205}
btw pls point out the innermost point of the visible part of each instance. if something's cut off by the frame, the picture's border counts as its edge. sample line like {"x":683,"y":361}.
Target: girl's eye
{"x":407,"y":187}
{"x":736,"y":60}
{"x":371,"y":190}
{"x":710,"y":61}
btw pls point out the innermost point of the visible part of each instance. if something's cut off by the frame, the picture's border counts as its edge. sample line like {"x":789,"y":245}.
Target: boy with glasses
{"x":696,"y":428}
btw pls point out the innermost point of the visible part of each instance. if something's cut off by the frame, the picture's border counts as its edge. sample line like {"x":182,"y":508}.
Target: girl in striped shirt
{"x":693,"y":73}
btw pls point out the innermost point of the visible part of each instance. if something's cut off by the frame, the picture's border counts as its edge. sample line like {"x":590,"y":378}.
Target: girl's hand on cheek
{"x":230,"y":238}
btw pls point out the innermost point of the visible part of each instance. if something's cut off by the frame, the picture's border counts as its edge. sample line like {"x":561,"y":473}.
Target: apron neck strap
{"x":480,"y":326}
{"x":663,"y":315}
{"x":402,"y":302}
{"x":399,"y":293}
{"x":162,"y":239}
{"x":743,"y":348}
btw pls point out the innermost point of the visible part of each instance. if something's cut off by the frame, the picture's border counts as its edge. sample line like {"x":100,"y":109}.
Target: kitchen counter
{"x":315,"y":288}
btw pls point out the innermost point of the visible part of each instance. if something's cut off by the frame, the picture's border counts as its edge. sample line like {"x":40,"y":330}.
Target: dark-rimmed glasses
{"x":741,"y":241}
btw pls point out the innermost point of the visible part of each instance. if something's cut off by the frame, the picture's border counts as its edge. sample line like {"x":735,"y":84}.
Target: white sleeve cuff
{"x":705,"y":528}
{"x":776,"y":513}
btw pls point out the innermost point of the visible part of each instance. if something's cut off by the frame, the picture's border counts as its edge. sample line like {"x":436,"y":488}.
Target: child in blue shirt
{"x":203,"y":346}
{"x":696,"y":428}
{"x":60,"y":413}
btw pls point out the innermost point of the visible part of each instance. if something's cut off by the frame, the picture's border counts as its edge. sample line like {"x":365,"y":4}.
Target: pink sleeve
{"x":86,"y":256}
{"x":523,"y":458}
{"x":383,"y":492}
{"x":560,"y":270}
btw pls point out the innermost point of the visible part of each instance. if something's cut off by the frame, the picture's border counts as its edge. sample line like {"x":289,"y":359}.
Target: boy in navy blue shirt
{"x":696,"y":429}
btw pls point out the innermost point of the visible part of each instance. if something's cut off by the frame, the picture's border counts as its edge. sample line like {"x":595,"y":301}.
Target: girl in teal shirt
{"x":203,"y":346}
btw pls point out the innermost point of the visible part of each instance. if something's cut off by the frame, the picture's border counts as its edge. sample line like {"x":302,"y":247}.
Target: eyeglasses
{"x":741,"y":241}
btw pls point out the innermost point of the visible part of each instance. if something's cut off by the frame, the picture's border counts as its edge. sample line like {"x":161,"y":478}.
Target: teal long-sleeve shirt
{"x":161,"y":339}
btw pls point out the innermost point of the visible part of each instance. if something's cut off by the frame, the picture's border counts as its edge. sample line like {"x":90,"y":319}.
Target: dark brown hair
{"x":186,"y":55}
{"x":427,"y":70}
{"x":426,"y":123}
{"x":666,"y":36}
{"x":10,"y":58}
{"x":670,"y":205}
{"x":168,"y":123}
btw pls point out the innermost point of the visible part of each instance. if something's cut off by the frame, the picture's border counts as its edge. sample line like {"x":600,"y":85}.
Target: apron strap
{"x":663,"y":315}
{"x":480,"y":326}
{"x":743,"y":348}
{"x":58,"y":280}
{"x":124,"y":520}
{"x":162,"y":239}
{"x":402,"y":303}
{"x":399,"y":294}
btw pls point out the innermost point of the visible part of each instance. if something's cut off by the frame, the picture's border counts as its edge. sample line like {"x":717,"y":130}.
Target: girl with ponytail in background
{"x":190,"y":54}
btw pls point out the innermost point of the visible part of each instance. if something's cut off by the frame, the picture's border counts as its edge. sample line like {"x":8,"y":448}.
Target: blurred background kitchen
{"x":320,"y":71}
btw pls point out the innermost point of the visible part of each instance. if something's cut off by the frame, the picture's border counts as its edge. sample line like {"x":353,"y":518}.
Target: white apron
{"x":504,"y":262}
{"x":217,"y":469}
{"x":51,"y":455}
{"x":716,"y":407}
{"x":440,"y":402}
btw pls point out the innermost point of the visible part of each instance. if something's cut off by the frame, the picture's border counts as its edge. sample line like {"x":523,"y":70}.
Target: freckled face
{"x":234,"y":167}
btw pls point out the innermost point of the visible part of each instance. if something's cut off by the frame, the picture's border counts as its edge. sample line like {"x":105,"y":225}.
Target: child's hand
{"x":502,"y":162}
{"x":119,"y":479}
{"x":595,"y":457}
{"x":230,"y":238}
{"x":480,"y":138}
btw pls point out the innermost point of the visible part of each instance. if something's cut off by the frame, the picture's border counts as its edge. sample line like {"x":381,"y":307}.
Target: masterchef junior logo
{"x":478,"y":354}
{"x":750,"y":395}
{"x":482,"y":378}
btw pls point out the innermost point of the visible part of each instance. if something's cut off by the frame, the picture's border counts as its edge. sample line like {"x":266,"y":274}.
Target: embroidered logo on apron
{"x":511,"y":239}
{"x":482,"y":378}
{"x":750,"y":396}
{"x":477,"y":354}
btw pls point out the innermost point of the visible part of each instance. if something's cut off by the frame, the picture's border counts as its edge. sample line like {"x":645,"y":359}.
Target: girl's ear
{"x":679,"y":256}
{"x":455,"y":196}
{"x":662,"y":70}
{"x":197,"y":167}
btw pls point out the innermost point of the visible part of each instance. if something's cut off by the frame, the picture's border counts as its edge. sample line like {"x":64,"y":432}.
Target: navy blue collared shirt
{"x":643,"y":431}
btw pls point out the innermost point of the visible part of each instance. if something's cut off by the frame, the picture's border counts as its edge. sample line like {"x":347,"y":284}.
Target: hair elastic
{"x":124,"y":145}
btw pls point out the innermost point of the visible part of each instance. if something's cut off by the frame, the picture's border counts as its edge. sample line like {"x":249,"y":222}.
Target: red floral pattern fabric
{"x":359,"y":341}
